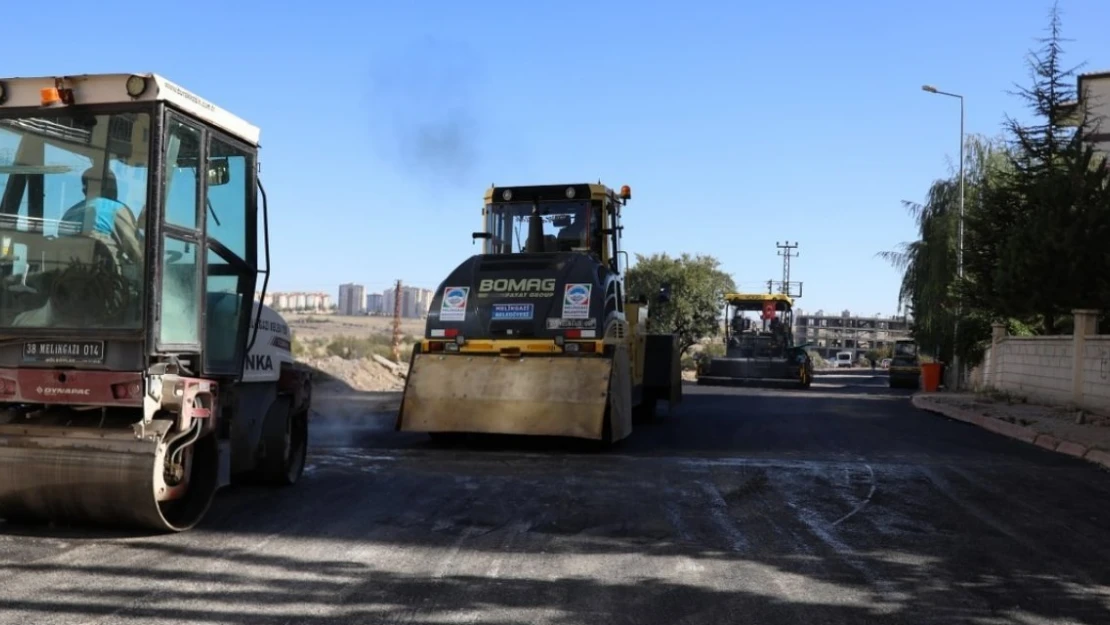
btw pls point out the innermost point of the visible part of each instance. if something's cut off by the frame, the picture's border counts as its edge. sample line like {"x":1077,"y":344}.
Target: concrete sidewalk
{"x":1068,"y":431}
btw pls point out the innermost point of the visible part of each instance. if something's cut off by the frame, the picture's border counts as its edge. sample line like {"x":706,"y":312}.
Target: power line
{"x":791,"y":289}
{"x":785,"y":250}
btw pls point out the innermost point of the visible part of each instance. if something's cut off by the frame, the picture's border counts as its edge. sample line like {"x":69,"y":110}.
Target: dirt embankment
{"x":354,"y":377}
{"x":363,"y":374}
{"x":360,"y":391}
{"x":352,"y":354}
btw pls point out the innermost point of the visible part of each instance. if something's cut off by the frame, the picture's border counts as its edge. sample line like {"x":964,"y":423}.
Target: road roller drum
{"x":119,"y":478}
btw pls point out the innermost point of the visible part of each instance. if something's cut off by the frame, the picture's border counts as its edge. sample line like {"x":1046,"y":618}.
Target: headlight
{"x":136,"y":85}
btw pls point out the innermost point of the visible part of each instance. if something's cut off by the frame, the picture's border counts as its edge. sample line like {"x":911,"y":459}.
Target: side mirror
{"x":219,"y":173}
{"x":664,"y":294}
{"x":481,"y":235}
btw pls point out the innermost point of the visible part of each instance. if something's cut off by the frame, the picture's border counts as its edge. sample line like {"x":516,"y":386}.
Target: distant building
{"x":297,"y":302}
{"x":422,"y":301}
{"x":353,"y":301}
{"x":375,"y":303}
{"x":352,"y":298}
{"x":830,"y":334}
{"x":415,"y":302}
{"x":1093,"y":89}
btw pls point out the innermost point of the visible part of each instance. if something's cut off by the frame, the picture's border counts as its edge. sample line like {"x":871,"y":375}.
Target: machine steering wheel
{"x":172,"y":256}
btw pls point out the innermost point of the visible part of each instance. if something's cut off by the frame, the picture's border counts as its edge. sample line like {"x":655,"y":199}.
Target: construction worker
{"x":574,"y":234}
{"x":104,"y":217}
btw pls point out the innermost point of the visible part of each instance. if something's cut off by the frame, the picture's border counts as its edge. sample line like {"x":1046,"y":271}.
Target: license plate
{"x":64,"y":352}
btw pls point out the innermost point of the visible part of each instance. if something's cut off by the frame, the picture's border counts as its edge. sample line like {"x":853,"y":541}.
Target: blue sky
{"x":735,"y":125}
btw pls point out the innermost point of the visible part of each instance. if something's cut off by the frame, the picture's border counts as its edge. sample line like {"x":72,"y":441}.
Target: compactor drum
{"x":535,"y":335}
{"x":135,"y":376}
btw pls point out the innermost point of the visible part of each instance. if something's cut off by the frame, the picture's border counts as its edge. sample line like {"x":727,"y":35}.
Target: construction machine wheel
{"x":646,"y":411}
{"x":806,"y":378}
{"x":284,"y":445}
{"x":606,"y":442}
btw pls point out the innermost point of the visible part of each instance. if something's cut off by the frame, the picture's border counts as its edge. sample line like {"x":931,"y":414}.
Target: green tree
{"x":697,"y":285}
{"x":1037,"y":219}
{"x":1037,"y":247}
{"x":877,"y":354}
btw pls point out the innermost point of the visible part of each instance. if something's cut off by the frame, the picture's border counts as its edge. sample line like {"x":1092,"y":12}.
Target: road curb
{"x":1012,"y":430}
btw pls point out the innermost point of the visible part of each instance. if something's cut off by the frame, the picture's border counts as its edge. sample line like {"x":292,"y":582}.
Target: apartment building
{"x":415,"y":302}
{"x":352,"y":298}
{"x":846,"y":332}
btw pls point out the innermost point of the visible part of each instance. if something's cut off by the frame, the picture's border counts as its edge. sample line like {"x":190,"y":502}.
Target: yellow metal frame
{"x":497,"y":346}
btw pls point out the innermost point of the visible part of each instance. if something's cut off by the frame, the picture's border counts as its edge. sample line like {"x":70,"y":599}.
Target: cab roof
{"x":754,"y":301}
{"x":59,"y":92}
{"x":549,"y":193}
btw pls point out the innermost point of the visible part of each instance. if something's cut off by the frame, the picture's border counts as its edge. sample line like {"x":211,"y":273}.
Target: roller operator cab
{"x":135,"y":375}
{"x":535,"y":335}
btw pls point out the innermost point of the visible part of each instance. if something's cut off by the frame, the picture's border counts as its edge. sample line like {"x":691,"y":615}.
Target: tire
{"x":646,"y":412}
{"x":284,"y":445}
{"x":606,"y":443}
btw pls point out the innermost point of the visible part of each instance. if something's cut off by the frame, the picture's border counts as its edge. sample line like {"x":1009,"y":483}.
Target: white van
{"x":844,"y":359}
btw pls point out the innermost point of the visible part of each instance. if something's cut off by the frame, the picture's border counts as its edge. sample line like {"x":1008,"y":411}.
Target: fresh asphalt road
{"x":839,"y":504}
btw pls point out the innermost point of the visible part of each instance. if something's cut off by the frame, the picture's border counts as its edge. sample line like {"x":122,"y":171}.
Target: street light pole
{"x":959,"y":235}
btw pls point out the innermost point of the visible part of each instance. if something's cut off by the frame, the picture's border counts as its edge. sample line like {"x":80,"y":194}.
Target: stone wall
{"x":1060,"y":370}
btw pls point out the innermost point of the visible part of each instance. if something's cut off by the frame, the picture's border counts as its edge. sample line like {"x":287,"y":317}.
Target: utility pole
{"x":397,"y":323}
{"x":785,"y":250}
{"x":957,"y":378}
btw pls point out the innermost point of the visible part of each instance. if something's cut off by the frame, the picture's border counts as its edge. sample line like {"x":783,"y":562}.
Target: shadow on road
{"x":556,"y":548}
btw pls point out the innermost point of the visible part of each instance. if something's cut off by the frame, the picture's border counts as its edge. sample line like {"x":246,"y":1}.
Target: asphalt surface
{"x":840,"y":504}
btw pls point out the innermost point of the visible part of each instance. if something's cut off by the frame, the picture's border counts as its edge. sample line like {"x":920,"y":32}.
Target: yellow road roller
{"x":536,"y":335}
{"x":136,"y":377}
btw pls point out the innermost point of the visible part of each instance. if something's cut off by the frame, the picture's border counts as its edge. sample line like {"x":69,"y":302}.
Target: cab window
{"x":563,"y":226}
{"x":231,"y":261}
{"x":71,"y":192}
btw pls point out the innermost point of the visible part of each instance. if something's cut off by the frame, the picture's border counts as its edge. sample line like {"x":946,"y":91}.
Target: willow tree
{"x":929,"y":265}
